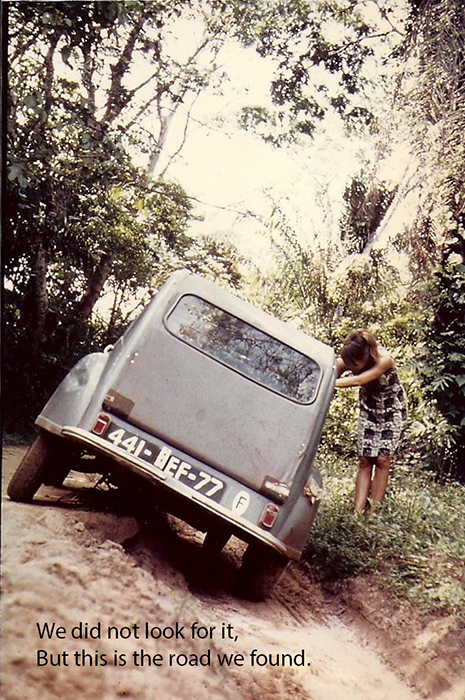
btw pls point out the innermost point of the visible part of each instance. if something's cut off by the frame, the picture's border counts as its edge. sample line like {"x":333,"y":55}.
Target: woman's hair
{"x":359,"y":346}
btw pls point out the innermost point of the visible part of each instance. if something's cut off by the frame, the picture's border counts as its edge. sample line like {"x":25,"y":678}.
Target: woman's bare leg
{"x":380,"y":481}
{"x":362,"y":484}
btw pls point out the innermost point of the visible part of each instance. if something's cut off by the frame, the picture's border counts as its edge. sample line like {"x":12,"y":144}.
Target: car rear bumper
{"x":229,"y":510}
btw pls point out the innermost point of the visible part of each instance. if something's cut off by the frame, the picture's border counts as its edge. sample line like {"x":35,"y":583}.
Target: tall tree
{"x":436,"y":103}
{"x":326,"y":54}
{"x":80,"y":216}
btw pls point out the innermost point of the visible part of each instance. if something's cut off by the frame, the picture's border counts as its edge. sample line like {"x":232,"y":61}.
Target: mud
{"x":142,"y":612}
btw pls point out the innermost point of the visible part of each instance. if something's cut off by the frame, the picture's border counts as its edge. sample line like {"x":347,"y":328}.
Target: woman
{"x":382,"y":413}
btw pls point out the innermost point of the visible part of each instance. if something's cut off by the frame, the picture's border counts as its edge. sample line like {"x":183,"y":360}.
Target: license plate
{"x":163,"y":458}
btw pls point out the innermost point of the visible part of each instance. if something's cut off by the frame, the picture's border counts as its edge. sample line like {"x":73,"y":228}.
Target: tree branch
{"x":183,"y":140}
{"x":117,"y":96}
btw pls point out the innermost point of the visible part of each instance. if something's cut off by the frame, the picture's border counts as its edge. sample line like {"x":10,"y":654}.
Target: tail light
{"x":269,"y":515}
{"x":101,"y":424}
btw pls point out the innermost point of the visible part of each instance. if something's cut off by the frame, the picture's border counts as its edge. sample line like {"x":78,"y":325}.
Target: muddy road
{"x":96,"y":606}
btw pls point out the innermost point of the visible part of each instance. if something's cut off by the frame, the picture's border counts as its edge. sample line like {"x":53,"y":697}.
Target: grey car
{"x":215,"y":407}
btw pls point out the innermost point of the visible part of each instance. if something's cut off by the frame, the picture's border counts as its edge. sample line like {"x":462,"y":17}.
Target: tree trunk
{"x":39,"y":300}
{"x":96,"y":284}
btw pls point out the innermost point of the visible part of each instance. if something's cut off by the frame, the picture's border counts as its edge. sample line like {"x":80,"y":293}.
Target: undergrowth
{"x":415,"y":544}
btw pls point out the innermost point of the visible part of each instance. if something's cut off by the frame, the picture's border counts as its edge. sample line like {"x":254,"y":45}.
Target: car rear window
{"x":244,"y":348}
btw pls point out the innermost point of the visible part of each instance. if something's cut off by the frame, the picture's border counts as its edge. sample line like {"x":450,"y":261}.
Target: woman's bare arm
{"x":384,"y":363}
{"x":340,"y":367}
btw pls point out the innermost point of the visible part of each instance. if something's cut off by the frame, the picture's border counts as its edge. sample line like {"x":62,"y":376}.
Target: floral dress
{"x":382,"y":415}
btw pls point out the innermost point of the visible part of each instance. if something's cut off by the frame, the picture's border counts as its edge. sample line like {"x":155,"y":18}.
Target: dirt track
{"x":71,"y":559}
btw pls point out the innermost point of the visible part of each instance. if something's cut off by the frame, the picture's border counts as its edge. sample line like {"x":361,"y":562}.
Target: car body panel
{"x":69,"y":402}
{"x":203,"y":416}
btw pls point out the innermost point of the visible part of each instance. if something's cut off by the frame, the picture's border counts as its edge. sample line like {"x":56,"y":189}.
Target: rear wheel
{"x":261,"y":569}
{"x":39,"y":465}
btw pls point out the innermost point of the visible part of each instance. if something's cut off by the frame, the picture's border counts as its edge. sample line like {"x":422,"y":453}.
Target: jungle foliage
{"x":91,"y":217}
{"x":328,"y":289}
{"x":414,"y":547}
{"x":80,"y":218}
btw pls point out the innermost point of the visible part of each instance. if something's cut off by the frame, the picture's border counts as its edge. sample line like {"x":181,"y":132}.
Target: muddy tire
{"x":36,"y":467}
{"x":261,"y":569}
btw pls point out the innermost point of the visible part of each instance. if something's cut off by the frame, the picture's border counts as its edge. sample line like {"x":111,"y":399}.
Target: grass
{"x":414,"y":546}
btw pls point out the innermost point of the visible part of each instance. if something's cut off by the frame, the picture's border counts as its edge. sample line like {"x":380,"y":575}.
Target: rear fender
{"x":302,"y":511}
{"x":69,"y":402}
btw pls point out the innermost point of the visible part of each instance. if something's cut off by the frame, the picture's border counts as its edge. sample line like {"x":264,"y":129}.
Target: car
{"x":214,"y":407}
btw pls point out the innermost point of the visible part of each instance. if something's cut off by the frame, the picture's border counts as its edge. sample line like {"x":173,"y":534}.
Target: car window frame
{"x":229,"y":366}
